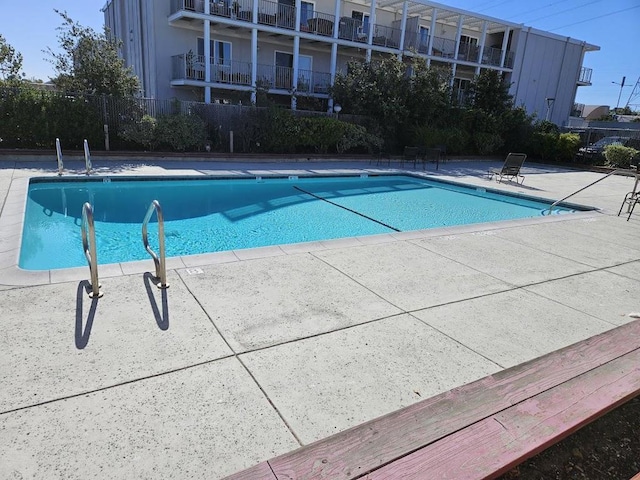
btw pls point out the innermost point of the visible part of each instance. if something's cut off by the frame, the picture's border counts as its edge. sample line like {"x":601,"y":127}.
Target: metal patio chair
{"x":510,"y":169}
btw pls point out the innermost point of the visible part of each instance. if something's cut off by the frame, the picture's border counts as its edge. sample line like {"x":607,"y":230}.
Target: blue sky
{"x":30,"y":27}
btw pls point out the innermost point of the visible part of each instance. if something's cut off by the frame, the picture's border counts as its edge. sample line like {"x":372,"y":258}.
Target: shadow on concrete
{"x":161,"y":319}
{"x":83,"y":330}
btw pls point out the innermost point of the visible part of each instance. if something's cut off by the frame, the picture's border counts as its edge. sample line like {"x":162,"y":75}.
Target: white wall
{"x":546,"y":68}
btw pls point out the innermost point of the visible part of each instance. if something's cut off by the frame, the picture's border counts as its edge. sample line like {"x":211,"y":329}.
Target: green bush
{"x":567,"y":146}
{"x":486,"y":143}
{"x":455,"y":139}
{"x":181,"y":132}
{"x":142,"y":132}
{"x":620,"y":156}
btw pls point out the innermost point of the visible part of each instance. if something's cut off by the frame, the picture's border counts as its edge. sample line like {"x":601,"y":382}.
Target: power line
{"x":493,"y":6}
{"x":561,"y":11}
{"x":594,"y":18}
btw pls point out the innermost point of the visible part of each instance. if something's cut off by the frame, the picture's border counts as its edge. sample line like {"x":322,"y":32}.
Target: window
{"x":220,"y":51}
{"x":424,"y":36}
{"x":468,"y":40}
{"x":363,"y":18}
{"x":306,"y":12}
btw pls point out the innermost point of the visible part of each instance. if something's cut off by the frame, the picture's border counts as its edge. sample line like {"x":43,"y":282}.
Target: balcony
{"x":281,"y":78}
{"x":384,"y":36}
{"x":187,"y":66}
{"x":585,"y":76}
{"x":468,"y":52}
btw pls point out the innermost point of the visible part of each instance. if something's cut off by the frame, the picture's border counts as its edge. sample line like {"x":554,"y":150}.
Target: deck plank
{"x":261,"y":471}
{"x":498,"y":443}
{"x":364,"y":448}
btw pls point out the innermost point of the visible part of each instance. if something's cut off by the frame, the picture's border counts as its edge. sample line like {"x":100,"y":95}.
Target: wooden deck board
{"x":367,"y":447}
{"x":498,"y":443}
{"x":261,"y":471}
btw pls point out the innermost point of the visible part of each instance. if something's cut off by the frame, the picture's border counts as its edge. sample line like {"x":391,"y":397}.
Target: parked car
{"x":594,"y":153}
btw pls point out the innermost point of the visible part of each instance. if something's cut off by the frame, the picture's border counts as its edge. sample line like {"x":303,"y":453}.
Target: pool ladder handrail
{"x":59,"y":157}
{"x":160,"y":261}
{"x":584,"y":188}
{"x":89,"y":246}
{"x":87,"y":157}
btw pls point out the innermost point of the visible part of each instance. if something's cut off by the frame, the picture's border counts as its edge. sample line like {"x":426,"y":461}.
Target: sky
{"x":30,"y":27}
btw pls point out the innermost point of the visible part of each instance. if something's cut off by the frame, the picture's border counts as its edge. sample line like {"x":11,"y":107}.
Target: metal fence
{"x":219,"y":118}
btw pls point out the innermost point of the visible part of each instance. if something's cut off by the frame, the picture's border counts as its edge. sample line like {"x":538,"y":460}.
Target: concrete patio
{"x":252,"y":353}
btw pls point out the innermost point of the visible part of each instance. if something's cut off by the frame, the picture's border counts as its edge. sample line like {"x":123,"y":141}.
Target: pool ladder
{"x":87,"y":157}
{"x":89,"y":246}
{"x":160,"y":261}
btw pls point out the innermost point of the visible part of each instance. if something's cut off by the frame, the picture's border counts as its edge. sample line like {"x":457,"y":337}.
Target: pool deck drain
{"x":251,"y":354}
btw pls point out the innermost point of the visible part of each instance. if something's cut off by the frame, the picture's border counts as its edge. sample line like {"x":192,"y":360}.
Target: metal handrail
{"x":89,"y":246}
{"x":160,"y":262}
{"x":87,"y":156}
{"x":584,"y":188}
{"x":59,"y":156}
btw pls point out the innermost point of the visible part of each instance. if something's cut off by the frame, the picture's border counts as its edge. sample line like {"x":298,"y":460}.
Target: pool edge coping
{"x":14,"y":276}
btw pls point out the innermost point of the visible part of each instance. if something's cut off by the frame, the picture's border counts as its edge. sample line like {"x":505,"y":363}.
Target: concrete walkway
{"x":252,"y":353}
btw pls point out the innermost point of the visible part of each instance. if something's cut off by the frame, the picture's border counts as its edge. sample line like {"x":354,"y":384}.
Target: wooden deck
{"x":482,"y":429}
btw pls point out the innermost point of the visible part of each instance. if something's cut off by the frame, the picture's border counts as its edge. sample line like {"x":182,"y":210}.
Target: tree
{"x":490,"y":93}
{"x":89,"y":62}
{"x":10,"y":62}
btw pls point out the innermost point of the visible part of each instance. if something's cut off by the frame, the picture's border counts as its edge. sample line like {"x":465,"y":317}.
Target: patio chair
{"x":510,"y":169}
{"x":410,"y":155}
{"x":428,"y":155}
{"x":632,"y":199}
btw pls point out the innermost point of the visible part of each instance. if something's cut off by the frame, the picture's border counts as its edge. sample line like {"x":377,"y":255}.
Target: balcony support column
{"x":336,"y":23}
{"x":403,"y":27}
{"x":505,"y":42}
{"x":254,"y":60}
{"x":207,"y":58}
{"x":432,"y":29}
{"x":334,"y":50}
{"x":483,"y":40}
{"x":372,"y":22}
{"x":296,"y":57}
{"x":332,"y":70}
{"x":458,"y":35}
{"x":298,"y":5}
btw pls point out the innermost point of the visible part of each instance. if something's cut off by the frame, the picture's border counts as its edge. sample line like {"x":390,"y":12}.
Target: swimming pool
{"x":210,"y":215}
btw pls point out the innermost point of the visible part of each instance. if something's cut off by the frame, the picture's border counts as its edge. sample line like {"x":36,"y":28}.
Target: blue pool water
{"x":210,"y":215}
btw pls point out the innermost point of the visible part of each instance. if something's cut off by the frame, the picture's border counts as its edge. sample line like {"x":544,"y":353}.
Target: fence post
{"x":106,"y":137}
{"x":231,"y":141}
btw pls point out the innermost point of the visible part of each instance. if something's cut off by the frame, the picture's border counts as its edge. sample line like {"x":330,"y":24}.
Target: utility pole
{"x":620,"y":94}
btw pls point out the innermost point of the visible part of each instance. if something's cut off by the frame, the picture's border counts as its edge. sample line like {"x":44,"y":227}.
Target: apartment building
{"x":225,"y":50}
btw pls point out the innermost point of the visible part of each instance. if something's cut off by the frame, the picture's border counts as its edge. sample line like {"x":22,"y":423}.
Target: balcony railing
{"x":509,"y":59}
{"x":585,"y":75}
{"x":384,"y":36}
{"x":443,"y":47}
{"x":491,"y":56}
{"x":468,"y":52}
{"x":281,"y":78}
{"x":319,"y":23}
{"x":353,"y":29}
{"x":192,"y":67}
{"x":416,"y":41}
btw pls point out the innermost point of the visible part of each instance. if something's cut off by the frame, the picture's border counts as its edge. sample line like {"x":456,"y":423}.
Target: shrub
{"x":620,"y":156}
{"x":180,"y":132}
{"x":142,"y":132}
{"x":567,"y":146}
{"x":486,"y":143}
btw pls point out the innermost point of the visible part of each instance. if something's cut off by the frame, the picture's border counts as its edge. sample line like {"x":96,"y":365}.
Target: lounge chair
{"x":510,"y":169}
